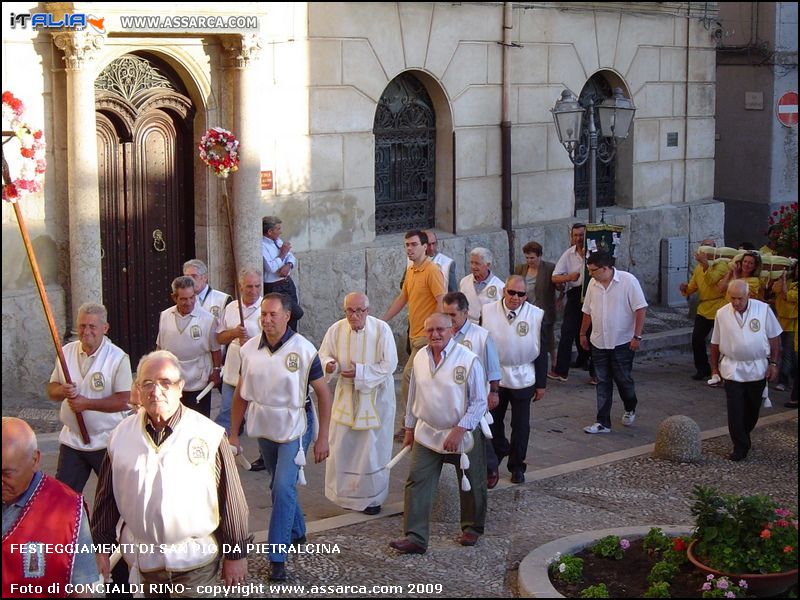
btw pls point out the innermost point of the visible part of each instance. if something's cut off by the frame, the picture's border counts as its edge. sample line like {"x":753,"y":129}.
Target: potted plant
{"x":783,"y":230}
{"x":747,"y":538}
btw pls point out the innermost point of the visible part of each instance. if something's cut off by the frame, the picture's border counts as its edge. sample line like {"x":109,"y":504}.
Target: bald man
{"x":745,"y":352}
{"x":360,"y":350}
{"x":38,"y":507}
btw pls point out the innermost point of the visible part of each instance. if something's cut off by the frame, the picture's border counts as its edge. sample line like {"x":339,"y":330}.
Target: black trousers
{"x":517,"y":448}
{"x":189,"y":399}
{"x":570,"y":328}
{"x":75,"y":466}
{"x":744,"y":404}
{"x":702,"y":328}
{"x":286,"y":286}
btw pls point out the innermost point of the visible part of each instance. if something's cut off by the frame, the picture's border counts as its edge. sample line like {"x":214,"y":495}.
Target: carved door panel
{"x":147,"y":215}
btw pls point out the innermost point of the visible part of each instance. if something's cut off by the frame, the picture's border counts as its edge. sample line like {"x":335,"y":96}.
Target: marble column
{"x":246,"y":197}
{"x":86,"y":276}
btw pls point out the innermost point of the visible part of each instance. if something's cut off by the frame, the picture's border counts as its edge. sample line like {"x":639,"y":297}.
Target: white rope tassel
{"x":489,"y":418}
{"x":465,"y":486}
{"x":301,"y":477}
{"x":487,"y":433}
{"x":300,"y":460}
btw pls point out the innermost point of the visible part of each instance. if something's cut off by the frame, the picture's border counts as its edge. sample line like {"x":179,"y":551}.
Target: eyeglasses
{"x":516,"y":293}
{"x":355,"y":311}
{"x":163,"y":384}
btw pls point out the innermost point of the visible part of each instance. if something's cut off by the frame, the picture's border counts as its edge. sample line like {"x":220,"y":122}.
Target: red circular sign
{"x":787,"y":109}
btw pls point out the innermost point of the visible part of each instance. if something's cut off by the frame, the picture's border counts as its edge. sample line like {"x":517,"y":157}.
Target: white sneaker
{"x":628,"y":418}
{"x":597,"y":428}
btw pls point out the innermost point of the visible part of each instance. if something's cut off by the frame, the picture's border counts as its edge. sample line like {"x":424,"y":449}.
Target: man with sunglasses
{"x":615,"y":308}
{"x":515,"y":327}
{"x":361,"y":352}
{"x":170,"y":475}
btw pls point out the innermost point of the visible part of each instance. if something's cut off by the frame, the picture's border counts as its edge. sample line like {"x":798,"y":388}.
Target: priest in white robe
{"x":360,"y":350}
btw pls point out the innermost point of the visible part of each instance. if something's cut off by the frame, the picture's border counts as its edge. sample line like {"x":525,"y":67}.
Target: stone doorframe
{"x":84,"y":58}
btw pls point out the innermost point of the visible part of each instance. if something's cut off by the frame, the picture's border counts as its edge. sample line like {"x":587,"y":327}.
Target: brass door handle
{"x":158,"y":241}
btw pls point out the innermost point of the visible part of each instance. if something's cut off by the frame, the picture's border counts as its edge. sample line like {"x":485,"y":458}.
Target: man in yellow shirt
{"x":786,"y":309}
{"x":704,"y":281}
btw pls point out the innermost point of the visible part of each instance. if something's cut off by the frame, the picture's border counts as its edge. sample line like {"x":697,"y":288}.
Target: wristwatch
{"x":637,"y":337}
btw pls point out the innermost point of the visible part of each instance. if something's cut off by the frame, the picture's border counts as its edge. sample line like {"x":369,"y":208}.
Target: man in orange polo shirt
{"x":423,"y":289}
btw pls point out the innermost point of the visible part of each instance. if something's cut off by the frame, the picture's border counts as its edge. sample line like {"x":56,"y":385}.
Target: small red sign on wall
{"x":266,"y":180}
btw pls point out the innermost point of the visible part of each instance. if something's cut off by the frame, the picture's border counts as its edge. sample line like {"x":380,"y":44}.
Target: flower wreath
{"x":219,"y":149}
{"x":32,"y":150}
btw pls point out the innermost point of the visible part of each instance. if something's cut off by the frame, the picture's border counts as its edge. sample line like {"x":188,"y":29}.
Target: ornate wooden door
{"x":145,"y":154}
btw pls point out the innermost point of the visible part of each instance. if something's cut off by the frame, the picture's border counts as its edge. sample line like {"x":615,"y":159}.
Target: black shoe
{"x":277,"y":571}
{"x":372,"y":510}
{"x":298,"y":541}
{"x":258,"y":465}
{"x":737,"y":456}
{"x":701,"y":376}
{"x":790,"y":404}
{"x":517,"y":477}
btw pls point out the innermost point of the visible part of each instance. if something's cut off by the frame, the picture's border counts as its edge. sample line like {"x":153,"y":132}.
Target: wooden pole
{"x":48,"y":313}
{"x":233,"y":250}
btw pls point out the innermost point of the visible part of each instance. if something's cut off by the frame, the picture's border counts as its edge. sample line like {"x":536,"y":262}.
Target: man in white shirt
{"x":360,"y":350}
{"x":190,"y":333}
{"x":745,"y":352}
{"x":279,"y":262}
{"x":614,"y":308}
{"x":446,"y":400}
{"x":100,"y":391}
{"x":569,"y":272}
{"x":481,"y":286}
{"x":214,"y":301}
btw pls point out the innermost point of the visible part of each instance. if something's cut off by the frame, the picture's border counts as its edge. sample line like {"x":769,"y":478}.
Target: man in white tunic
{"x":214,"y":301}
{"x":170,"y":476}
{"x":481,"y":286}
{"x":232,"y":334}
{"x":100,"y":391}
{"x":745,"y":352}
{"x":277,"y":369}
{"x":190,"y":333}
{"x":446,"y":400}
{"x":360,"y":349}
{"x":515,"y":327}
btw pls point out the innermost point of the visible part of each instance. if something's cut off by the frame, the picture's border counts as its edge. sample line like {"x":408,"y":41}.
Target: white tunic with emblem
{"x":362,"y":419}
{"x":167,"y":494}
{"x":743,"y":340}
{"x":191,"y":338}
{"x":517,"y":341}
{"x":492,"y":292}
{"x":440,"y":398}
{"x":102,"y":378}
{"x":213,"y":301}
{"x":229,"y":320}
{"x":276,"y":387}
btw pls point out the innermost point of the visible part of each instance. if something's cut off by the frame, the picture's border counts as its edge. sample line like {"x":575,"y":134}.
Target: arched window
{"x":597,"y":89}
{"x":405,"y":157}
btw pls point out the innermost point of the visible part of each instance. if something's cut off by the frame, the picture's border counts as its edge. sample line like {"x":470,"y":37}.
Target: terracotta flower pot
{"x":761,"y":585}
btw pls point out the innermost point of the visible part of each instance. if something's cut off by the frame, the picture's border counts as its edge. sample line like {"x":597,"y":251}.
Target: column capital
{"x":78,"y":47}
{"x":242,"y":49}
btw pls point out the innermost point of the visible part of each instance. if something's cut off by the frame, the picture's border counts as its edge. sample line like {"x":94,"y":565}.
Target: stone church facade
{"x":356,"y":120}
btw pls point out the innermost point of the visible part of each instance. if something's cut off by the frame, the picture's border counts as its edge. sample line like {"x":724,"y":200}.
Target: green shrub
{"x":662,"y":571}
{"x":595,"y":591}
{"x":658,"y":590}
{"x":656,"y":541}
{"x":609,"y":547}
{"x":568,"y":569}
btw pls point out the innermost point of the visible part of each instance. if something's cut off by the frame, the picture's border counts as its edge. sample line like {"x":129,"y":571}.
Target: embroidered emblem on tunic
{"x":522,"y":328}
{"x":97,"y":382}
{"x":33,"y":560}
{"x":198,"y":451}
{"x":293,"y":361}
{"x":195,"y":331}
{"x":491,"y":291}
{"x":755,"y":325}
{"x":467,"y":344}
{"x":460,"y":375}
{"x":215,"y":311}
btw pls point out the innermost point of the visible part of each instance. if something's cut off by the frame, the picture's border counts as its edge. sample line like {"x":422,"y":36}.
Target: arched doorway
{"x":598,"y":88}
{"x":405,"y":157}
{"x":145,"y":151}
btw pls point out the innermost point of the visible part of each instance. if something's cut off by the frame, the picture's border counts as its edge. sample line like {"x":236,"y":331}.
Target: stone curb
{"x":534,"y":582}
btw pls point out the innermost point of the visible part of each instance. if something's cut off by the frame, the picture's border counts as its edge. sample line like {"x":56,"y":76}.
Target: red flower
{"x":766,"y":534}
{"x":787,"y":549}
{"x":679,"y":545}
{"x":782,"y":523}
{"x":10,"y":190}
{"x":27,"y":152}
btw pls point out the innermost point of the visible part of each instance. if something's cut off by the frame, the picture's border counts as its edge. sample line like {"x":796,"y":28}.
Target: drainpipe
{"x":505,"y":133}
